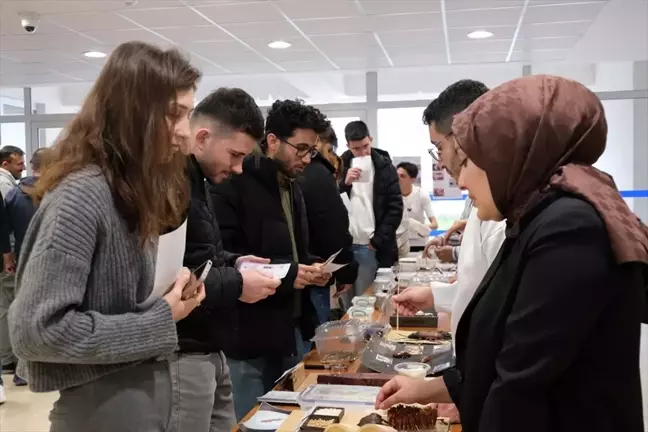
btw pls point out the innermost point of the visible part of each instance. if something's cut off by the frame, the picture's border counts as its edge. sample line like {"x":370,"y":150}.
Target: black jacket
{"x":20,"y":210}
{"x":550,"y":341}
{"x":5,"y":229}
{"x":328,"y":218}
{"x":251,"y":218}
{"x":205,"y":328}
{"x":387,"y":204}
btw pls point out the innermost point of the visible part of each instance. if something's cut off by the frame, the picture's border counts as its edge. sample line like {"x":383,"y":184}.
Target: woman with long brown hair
{"x":115,"y":183}
{"x":553,"y":331}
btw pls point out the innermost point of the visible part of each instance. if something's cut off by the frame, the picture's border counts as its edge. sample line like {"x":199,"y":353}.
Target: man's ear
{"x":273,"y":143}
{"x":201,"y":136}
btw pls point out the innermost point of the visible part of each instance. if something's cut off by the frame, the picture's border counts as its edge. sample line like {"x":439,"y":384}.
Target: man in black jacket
{"x":262,"y":212}
{"x":226,"y":126}
{"x":328,"y":221}
{"x":376,"y":205}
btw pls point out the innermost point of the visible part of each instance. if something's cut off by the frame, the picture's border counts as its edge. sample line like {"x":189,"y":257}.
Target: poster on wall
{"x":416,"y":160}
{"x":444,"y":185}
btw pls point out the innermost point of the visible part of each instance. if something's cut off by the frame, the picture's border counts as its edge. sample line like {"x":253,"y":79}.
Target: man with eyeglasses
{"x":480,"y":241}
{"x":261,"y":212}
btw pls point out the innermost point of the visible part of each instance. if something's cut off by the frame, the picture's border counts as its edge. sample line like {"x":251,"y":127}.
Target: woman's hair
{"x":339,"y":167}
{"x":125,"y":127}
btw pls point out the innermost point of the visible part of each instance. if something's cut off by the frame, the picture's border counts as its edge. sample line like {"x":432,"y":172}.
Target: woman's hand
{"x":413,"y":299}
{"x":403,"y":390}
{"x":180,"y":308}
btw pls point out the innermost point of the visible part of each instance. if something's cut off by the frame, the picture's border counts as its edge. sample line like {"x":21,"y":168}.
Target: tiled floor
{"x":25,"y":411}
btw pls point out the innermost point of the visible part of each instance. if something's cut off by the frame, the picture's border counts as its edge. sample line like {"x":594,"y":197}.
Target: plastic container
{"x":364,"y":301}
{"x":362,"y":313}
{"x":339,"y":343}
{"x":381,"y":298}
{"x":413,"y":370}
{"x":376,"y":329}
{"x":383,"y":285}
{"x":339,"y":396}
{"x":386,"y":272}
{"x":408,"y":265}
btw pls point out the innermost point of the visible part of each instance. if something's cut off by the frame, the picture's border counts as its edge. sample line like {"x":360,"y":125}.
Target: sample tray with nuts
{"x":320,"y":418}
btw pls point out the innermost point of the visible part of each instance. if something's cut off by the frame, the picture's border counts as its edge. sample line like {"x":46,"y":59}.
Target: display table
{"x":309,"y":376}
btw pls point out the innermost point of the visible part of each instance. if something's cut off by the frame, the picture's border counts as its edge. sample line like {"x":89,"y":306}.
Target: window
{"x":402,"y":133}
{"x":11,"y":101}
{"x":13,"y":134}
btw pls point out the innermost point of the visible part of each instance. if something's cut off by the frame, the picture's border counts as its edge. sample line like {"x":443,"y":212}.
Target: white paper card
{"x":277,"y":271}
{"x":421,"y":230}
{"x":266,"y":420}
{"x":168,"y":265}
{"x":364,"y":163}
{"x":332,"y":267}
{"x":346,"y":201}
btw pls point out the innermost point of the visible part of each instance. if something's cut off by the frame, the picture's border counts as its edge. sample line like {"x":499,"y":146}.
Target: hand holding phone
{"x":196,"y":279}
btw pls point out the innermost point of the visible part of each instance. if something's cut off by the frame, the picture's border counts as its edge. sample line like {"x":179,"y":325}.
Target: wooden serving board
{"x":351,"y":419}
{"x":312,"y":361}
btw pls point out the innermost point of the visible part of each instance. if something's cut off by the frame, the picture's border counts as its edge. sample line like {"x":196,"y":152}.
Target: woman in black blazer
{"x":550,"y":340}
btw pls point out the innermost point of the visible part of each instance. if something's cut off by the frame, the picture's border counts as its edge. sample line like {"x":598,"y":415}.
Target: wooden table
{"x":311,"y":374}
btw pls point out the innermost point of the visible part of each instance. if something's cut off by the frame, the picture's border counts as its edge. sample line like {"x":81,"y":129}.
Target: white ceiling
{"x":230,"y":37}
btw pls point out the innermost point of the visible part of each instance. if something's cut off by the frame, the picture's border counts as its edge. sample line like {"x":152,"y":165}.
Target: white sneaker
{"x":3,"y":398}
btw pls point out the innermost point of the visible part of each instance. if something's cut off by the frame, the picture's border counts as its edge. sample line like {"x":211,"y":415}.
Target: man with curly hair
{"x":261,"y":212}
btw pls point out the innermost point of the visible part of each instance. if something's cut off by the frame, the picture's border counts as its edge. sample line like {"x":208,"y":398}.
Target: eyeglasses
{"x":303,"y":149}
{"x":434,"y":151}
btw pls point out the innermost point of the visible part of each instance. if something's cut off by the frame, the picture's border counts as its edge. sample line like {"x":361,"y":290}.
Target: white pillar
{"x":372,"y":105}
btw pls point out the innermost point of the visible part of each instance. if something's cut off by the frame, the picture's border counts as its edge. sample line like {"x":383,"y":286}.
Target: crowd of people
{"x":546,"y":305}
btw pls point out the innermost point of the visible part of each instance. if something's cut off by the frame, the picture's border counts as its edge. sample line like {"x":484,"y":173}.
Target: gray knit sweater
{"x":80,"y":277}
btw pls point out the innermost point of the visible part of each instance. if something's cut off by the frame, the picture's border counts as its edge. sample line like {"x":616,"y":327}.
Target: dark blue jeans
{"x":368,"y":266}
{"x":321,"y":299}
{"x":255,"y":377}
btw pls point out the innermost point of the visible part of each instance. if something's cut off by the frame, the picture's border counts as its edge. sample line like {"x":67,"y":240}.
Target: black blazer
{"x":387,"y":204}
{"x":550,"y":341}
{"x":252,"y":222}
{"x":328,"y":218}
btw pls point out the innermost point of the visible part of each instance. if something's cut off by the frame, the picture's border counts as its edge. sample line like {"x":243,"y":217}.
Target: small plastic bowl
{"x":413,"y":369}
{"x":364,"y":301}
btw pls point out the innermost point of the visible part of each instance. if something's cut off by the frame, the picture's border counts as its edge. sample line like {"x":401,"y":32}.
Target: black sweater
{"x":550,"y":340}
{"x":205,"y":328}
{"x":328,"y":218}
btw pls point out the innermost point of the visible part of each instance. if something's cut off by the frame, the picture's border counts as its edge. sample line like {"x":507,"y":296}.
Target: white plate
{"x":266,"y":420}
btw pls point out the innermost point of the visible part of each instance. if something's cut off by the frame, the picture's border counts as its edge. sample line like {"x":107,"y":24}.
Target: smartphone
{"x":198,"y":277}
{"x":202,"y":271}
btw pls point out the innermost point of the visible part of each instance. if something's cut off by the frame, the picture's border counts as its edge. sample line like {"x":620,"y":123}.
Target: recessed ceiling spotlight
{"x":279,"y":44}
{"x":480,"y":34}
{"x":95,"y":54}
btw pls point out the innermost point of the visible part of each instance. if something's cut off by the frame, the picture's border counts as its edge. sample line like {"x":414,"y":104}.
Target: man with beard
{"x":12,"y":165}
{"x":225,"y":126}
{"x":262,"y":213}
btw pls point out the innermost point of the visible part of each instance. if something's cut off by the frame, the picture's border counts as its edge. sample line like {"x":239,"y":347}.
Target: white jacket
{"x":7,"y":182}
{"x":480,"y":244}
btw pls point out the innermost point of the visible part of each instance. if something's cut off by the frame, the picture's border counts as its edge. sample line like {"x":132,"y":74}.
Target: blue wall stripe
{"x":624,"y":194}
